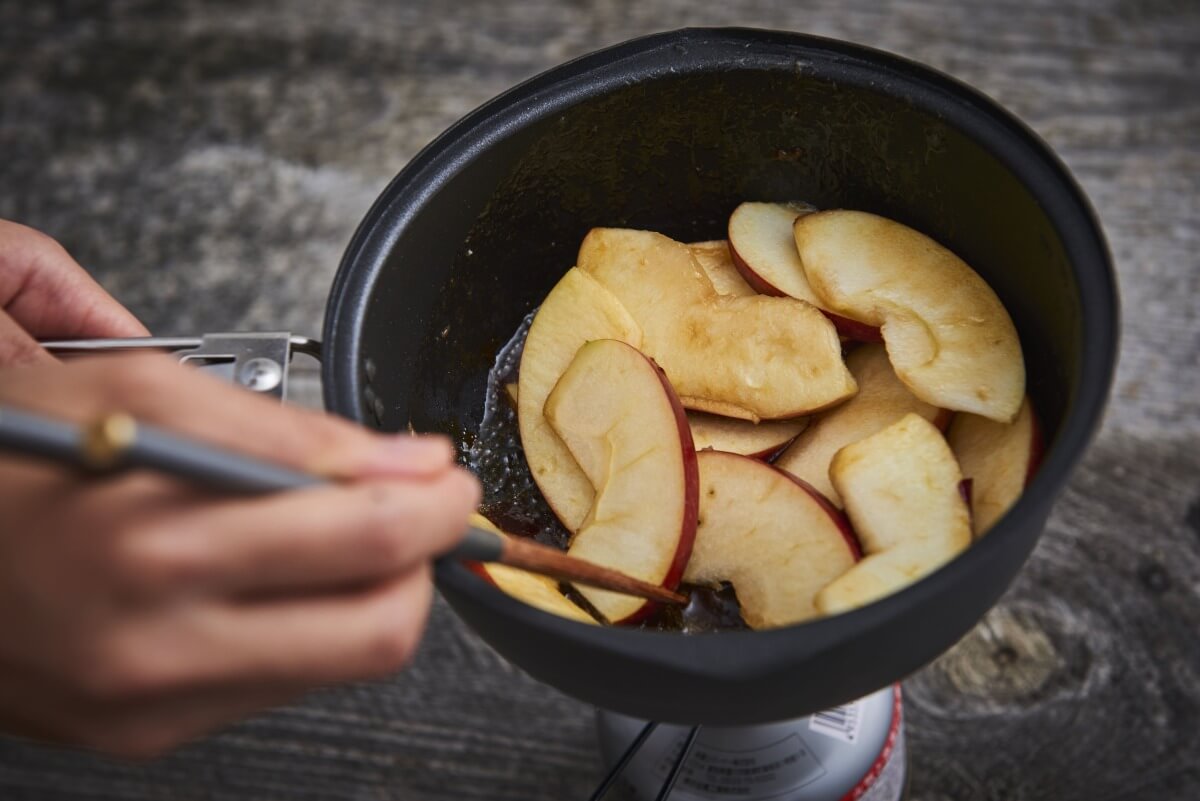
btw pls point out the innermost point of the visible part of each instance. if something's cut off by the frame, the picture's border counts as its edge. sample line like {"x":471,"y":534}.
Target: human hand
{"x":139,"y":612}
{"x":44,"y":293}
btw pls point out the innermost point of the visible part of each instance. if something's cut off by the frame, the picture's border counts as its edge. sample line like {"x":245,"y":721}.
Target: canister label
{"x":854,"y":752}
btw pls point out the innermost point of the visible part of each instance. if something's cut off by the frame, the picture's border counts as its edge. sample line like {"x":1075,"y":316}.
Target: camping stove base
{"x":853,"y":752}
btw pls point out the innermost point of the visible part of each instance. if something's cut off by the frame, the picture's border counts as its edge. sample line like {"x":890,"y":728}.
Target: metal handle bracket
{"x":258,"y":361}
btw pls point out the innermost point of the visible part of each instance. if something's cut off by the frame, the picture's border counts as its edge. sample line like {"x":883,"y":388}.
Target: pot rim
{"x":695,"y":50}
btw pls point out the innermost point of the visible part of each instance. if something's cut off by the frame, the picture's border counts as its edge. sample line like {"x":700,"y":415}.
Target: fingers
{"x":169,"y":693}
{"x":151,"y":729}
{"x":362,"y":635}
{"x":50,"y":295}
{"x":168,"y":610}
{"x":132,"y":728}
{"x":311,"y":541}
{"x":303,"y":641}
{"x":18,"y":348}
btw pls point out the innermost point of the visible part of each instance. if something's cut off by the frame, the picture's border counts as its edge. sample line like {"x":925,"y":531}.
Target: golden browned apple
{"x":757,"y":440}
{"x":578,"y":309}
{"x":510,"y":392}
{"x":717,"y":263}
{"x":538,"y":591}
{"x":948,"y":336}
{"x":999,"y":459}
{"x":749,"y":357}
{"x":901,"y":490}
{"x":616,"y":413}
{"x":882,"y":399}
{"x":763,"y":250}
{"x":770,"y":535}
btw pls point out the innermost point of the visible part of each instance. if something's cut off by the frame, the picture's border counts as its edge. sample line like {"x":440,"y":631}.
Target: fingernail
{"x":406,"y":454}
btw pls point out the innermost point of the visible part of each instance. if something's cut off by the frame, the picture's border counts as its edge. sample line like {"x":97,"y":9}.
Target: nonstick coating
{"x":670,"y":133}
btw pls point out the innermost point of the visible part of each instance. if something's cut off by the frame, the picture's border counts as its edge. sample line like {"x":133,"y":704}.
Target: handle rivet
{"x":261,"y":374}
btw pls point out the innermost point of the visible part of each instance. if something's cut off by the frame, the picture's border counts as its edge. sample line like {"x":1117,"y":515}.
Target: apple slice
{"x":947,"y":334}
{"x":881,"y":400}
{"x":617,"y":414}
{"x":1000,"y":459}
{"x":901,"y":488}
{"x":749,"y":357}
{"x":716,"y":261}
{"x":510,"y":392}
{"x":756,"y":440}
{"x":578,"y":309}
{"x":763,"y":249}
{"x":538,"y":591}
{"x":764,"y":252}
{"x":770,"y":535}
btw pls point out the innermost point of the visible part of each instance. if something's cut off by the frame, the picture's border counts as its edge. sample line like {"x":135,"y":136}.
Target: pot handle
{"x":257,"y":361}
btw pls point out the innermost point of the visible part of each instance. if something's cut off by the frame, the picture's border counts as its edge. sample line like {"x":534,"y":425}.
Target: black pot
{"x":670,"y":133}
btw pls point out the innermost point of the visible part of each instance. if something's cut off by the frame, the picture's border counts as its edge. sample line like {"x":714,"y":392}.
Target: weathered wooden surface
{"x":209,"y":162}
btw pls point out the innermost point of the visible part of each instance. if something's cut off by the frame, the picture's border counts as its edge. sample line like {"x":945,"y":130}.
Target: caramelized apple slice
{"x":715,"y":260}
{"x":770,"y":535}
{"x":620,"y":419}
{"x":748,"y":357}
{"x":901,"y":489}
{"x":999,"y":458}
{"x":757,"y":440}
{"x":879,"y":575}
{"x":881,"y":400}
{"x":763,"y":250}
{"x":538,"y":591}
{"x":948,"y":336}
{"x":578,"y":309}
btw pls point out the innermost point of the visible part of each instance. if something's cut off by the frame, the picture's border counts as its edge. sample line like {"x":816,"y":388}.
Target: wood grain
{"x":208,"y":162}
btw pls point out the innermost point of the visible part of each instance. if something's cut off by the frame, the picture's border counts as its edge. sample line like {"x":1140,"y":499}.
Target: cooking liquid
{"x":512,"y":500}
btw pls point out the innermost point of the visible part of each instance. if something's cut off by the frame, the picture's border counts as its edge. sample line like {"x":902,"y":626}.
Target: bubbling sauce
{"x":708,"y":609}
{"x":512,"y":500}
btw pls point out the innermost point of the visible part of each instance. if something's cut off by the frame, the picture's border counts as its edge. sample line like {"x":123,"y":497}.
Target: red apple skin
{"x":756,"y":281}
{"x":966,"y":489}
{"x":766,"y":454}
{"x":691,"y":501}
{"x":770,"y":453}
{"x":838,"y":516}
{"x":1037,"y":448}
{"x":851,"y":329}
